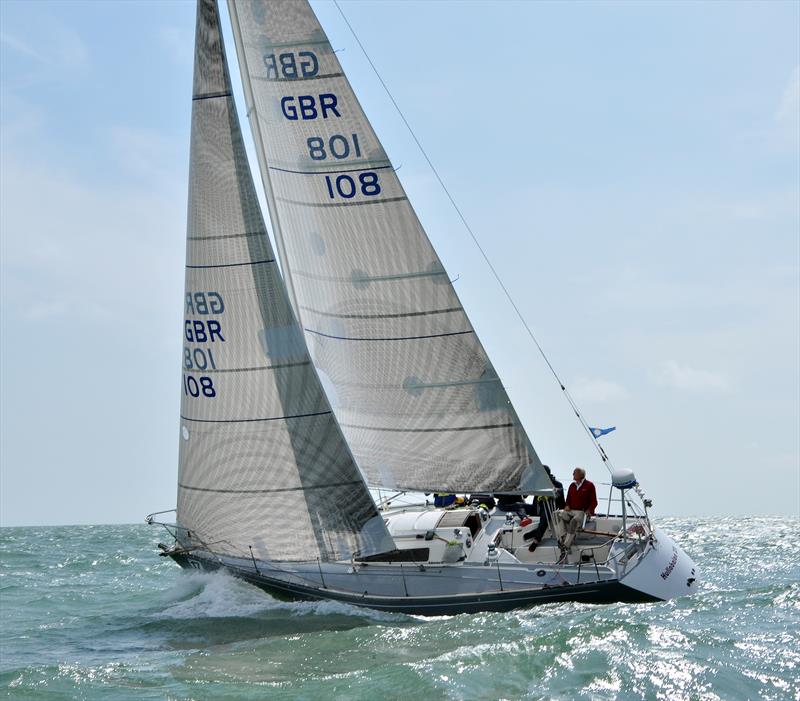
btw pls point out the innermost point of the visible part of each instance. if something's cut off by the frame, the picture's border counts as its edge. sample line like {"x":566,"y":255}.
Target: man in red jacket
{"x":581,"y":502}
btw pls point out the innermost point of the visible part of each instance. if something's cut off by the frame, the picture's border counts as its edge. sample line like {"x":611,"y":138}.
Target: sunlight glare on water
{"x":92,"y":612}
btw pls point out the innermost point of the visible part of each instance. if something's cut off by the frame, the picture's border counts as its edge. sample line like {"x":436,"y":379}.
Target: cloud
{"x":147,"y":155}
{"x":21,"y":47}
{"x":74,"y":250}
{"x":177,"y":43}
{"x":596,"y":390}
{"x":22,"y":122}
{"x":63,"y":307}
{"x":59,"y":50}
{"x":787,"y":114}
{"x":672,"y":374}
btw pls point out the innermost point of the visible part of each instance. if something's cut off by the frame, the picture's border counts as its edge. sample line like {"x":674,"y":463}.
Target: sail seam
{"x":375,"y":278}
{"x":243,"y":421}
{"x":316,"y":172}
{"x":290,"y":44}
{"x":382,"y":316}
{"x":332,"y":168}
{"x":298,"y":79}
{"x":231,"y":265}
{"x":210,"y":95}
{"x":429,"y":430}
{"x":227,"y":236}
{"x":340,"y":204}
{"x":394,"y":338}
{"x":269,"y":491}
{"x":253,"y":369}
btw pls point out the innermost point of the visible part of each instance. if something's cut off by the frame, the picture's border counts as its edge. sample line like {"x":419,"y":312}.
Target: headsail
{"x":413,"y":389}
{"x":263,"y":463}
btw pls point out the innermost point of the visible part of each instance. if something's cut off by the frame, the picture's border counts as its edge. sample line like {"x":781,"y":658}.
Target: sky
{"x":631,"y":169}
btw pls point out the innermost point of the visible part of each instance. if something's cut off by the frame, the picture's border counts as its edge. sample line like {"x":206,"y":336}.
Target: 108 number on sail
{"x":195,"y":387}
{"x":346,"y":187}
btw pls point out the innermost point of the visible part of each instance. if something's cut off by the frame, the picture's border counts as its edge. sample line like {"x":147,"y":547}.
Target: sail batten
{"x":258,"y":437}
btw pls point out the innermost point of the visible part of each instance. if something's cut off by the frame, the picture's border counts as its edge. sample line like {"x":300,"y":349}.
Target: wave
{"x":218,"y":594}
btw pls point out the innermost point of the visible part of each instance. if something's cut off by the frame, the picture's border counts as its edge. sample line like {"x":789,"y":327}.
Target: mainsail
{"x":418,"y":399}
{"x":264,"y":468}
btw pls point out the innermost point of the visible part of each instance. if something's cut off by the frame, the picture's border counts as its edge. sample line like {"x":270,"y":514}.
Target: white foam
{"x":215,"y":595}
{"x":220,"y":595}
{"x":329,"y":608}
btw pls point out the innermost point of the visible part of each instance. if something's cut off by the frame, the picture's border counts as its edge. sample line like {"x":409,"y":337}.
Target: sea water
{"x":92,"y":612}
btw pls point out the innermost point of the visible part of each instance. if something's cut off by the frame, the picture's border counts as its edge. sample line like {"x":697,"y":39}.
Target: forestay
{"x":263,"y":463}
{"x":414,"y":391}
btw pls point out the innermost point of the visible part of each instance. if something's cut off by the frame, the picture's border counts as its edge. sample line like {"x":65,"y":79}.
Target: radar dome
{"x":622,"y":478}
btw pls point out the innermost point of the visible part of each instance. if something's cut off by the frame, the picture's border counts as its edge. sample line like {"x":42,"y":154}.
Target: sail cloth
{"x":419,"y":402}
{"x":263,"y":463}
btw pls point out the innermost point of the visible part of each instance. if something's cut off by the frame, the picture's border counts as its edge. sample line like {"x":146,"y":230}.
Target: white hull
{"x":666,"y":572}
{"x":635,"y":570}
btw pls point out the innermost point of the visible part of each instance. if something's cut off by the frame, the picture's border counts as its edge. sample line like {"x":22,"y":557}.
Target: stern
{"x":664,"y":571}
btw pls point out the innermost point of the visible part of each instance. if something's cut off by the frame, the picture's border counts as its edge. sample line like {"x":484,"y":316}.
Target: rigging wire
{"x":573,"y":404}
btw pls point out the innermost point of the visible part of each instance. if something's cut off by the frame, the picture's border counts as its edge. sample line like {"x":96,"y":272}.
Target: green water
{"x":91,"y":612}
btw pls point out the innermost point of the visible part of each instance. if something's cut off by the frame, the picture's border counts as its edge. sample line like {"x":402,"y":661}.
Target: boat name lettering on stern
{"x":201,"y":331}
{"x":671,"y":566}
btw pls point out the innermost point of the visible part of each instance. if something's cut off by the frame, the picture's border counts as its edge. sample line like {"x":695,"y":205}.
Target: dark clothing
{"x":508,"y":499}
{"x":538,"y":533}
{"x":541,"y":510}
{"x":443,"y":499}
{"x":486,"y":499}
{"x":559,"y":497}
{"x":515,"y":503}
{"x":560,"y":501}
{"x":583,"y":499}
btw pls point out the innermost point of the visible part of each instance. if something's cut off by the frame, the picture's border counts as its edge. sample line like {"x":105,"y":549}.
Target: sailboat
{"x":346,"y":363}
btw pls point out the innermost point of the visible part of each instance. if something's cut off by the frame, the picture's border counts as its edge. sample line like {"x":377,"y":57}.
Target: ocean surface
{"x":91,"y":612}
